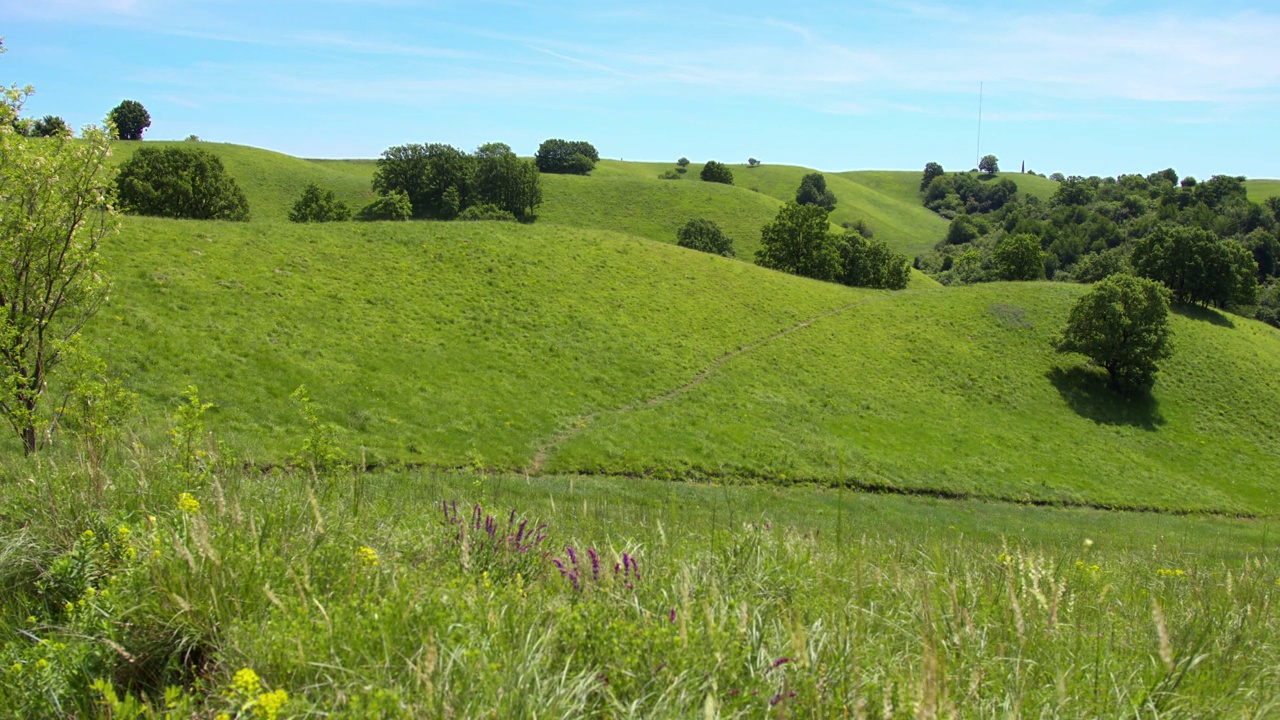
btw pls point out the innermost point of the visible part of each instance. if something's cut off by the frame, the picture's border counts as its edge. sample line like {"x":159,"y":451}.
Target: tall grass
{"x":468,"y":595}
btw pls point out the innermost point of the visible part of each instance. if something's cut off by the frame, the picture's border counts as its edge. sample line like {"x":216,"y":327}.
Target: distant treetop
{"x":130,"y":119}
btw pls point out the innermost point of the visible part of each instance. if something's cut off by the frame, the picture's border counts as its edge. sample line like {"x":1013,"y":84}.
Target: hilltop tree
{"x":706,"y":236}
{"x":753,"y":163}
{"x":55,"y":194}
{"x":989,"y":164}
{"x":48,"y":126}
{"x":435,"y":177}
{"x":683,"y":162}
{"x":813,"y":191}
{"x":799,"y":241}
{"x":931,"y":171}
{"x":1122,"y":326}
{"x":565,"y":157}
{"x":130,"y":119}
{"x":505,"y":181}
{"x":318,"y":205}
{"x":179,"y":182}
{"x":717,"y":172}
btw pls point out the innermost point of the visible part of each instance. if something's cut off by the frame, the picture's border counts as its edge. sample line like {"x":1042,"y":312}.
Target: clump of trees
{"x":813,"y":191}
{"x":131,"y":119}
{"x":800,"y":241}
{"x":717,"y":172}
{"x":706,"y":236}
{"x":1204,"y":240}
{"x":394,"y":205}
{"x":442,"y":182}
{"x":317,"y":206}
{"x":179,"y":182}
{"x":1122,"y":326}
{"x":565,"y":157}
{"x":931,"y":171}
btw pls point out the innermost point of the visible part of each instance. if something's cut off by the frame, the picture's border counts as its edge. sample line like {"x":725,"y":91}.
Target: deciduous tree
{"x":989,"y":164}
{"x":717,"y":172}
{"x":931,"y":171}
{"x":705,"y":235}
{"x":318,"y":205}
{"x":1122,"y":326}
{"x":179,"y":182}
{"x":130,"y":119}
{"x":799,"y":241}
{"x":813,"y":191}
{"x":55,"y":214}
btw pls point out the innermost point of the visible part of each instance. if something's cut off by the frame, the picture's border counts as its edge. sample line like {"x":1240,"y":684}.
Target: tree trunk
{"x":29,"y":439}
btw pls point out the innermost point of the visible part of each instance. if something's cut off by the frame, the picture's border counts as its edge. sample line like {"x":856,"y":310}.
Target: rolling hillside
{"x":554,"y":349}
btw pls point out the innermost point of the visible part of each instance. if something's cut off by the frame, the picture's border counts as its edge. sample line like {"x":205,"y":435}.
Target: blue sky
{"x":1104,"y":88}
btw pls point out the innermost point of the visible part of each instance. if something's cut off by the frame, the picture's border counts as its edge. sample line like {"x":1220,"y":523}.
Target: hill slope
{"x":565,"y":350}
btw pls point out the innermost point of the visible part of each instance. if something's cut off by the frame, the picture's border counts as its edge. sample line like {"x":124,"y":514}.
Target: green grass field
{"x":542,"y":346}
{"x":1260,"y":190}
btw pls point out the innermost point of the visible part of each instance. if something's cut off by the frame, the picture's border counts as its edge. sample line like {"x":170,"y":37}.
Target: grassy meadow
{"x":474,"y":595}
{"x":569,"y":469}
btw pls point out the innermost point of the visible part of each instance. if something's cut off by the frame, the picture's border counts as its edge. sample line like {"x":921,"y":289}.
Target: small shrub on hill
{"x":813,"y":191}
{"x":392,"y":206}
{"x":872,"y":264}
{"x":669,"y":175}
{"x":179,"y":182}
{"x":705,"y":235}
{"x":717,"y":172}
{"x":486,"y":211}
{"x":318,"y":205}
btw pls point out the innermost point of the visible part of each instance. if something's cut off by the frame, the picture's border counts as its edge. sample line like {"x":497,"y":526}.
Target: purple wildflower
{"x":778,"y":663}
{"x":520,"y":532}
{"x":672,"y":617}
{"x":573,"y":578}
{"x":573,"y":558}
{"x":559,"y":565}
{"x":595,"y":564}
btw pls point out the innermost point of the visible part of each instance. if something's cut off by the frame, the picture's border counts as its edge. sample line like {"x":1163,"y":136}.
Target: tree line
{"x":1205,"y":241}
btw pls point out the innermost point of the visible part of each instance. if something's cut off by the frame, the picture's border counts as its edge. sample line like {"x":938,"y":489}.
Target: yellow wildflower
{"x":245,"y":682}
{"x":1170,"y":573}
{"x":188,"y":504}
{"x":269,"y":704}
{"x":367,"y":556}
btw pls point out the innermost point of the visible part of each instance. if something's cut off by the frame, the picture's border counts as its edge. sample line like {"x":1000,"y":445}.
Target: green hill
{"x":1260,"y":190}
{"x":557,"y":349}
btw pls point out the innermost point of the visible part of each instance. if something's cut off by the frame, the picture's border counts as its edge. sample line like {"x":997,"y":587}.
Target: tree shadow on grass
{"x":1088,"y":393}
{"x":1209,"y":315}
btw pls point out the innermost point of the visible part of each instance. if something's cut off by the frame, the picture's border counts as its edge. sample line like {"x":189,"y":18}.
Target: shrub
{"x":717,"y":172}
{"x":179,"y":182}
{"x":706,"y":236}
{"x":813,"y":191}
{"x":872,"y":264}
{"x":1018,"y":257}
{"x":669,"y":174}
{"x":487,"y":211}
{"x":318,"y":205}
{"x":799,"y":241}
{"x":392,"y":206}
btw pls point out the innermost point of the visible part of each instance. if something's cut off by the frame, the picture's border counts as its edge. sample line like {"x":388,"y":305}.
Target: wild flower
{"x":245,"y":682}
{"x":1088,"y":543}
{"x":367,"y":556}
{"x":188,"y":504}
{"x":1162,"y":572}
{"x":269,"y":704}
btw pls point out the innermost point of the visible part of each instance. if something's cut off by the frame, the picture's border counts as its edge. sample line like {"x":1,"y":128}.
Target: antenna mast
{"x":978,"y":155}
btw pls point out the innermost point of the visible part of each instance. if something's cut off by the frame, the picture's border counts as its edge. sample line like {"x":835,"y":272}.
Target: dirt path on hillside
{"x":583,"y":422}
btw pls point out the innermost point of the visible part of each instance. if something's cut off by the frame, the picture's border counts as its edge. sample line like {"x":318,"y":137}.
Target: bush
{"x":872,"y":264}
{"x":799,"y":241}
{"x":318,"y":205}
{"x":487,"y":211}
{"x":706,"y":236}
{"x":392,"y":206}
{"x":717,"y":172}
{"x":669,"y":174}
{"x":566,"y":157}
{"x":1121,"y":325}
{"x":813,"y":191}
{"x":179,"y":182}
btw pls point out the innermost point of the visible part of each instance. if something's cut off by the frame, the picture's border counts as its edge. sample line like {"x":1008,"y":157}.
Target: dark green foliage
{"x":486,"y":211}
{"x":1272,"y":204}
{"x":564,"y":157}
{"x":717,"y":172}
{"x":952,"y":195}
{"x":799,"y":241}
{"x":130,"y":119}
{"x":706,"y":236}
{"x":48,"y":126}
{"x":683,"y":162}
{"x":1265,"y":247}
{"x":318,"y":205}
{"x":813,"y":191}
{"x":1098,"y":266}
{"x":394,"y":205}
{"x":962,"y":230}
{"x":753,"y":163}
{"x":506,"y":181}
{"x":1075,"y":190}
{"x":872,"y":264}
{"x":989,"y":164}
{"x":179,"y":182}
{"x":436,"y":178}
{"x":1018,"y":257}
{"x":931,"y":171}
{"x":1197,"y":266}
{"x":1269,"y":303}
{"x":1121,"y":325}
